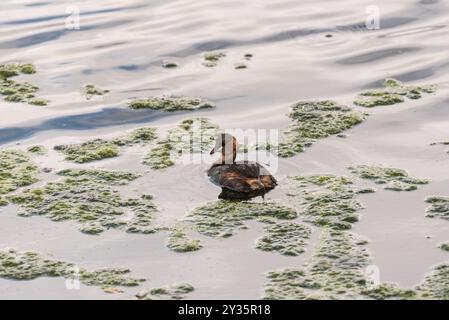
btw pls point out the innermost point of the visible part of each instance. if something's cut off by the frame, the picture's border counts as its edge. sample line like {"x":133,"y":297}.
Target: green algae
{"x":140,"y":135}
{"x":336,"y":271}
{"x":266,"y":220}
{"x":93,"y":150}
{"x":393,"y":93}
{"x":178,"y":241}
{"x":173,"y":292}
{"x":169,"y":64}
{"x":286,"y":284}
{"x":90,"y":91}
{"x":16,"y":170}
{"x":366,"y":190}
{"x":436,"y":284}
{"x":16,"y":265}
{"x":99,"y":149}
{"x":378,"y":99}
{"x":172,"y":103}
{"x":214,"y":56}
{"x":222,"y":218}
{"x":14,"y":91}
{"x":444,"y":246}
{"x":3,"y":201}
{"x":109,"y":277}
{"x":326,"y":200}
{"x":39,"y":150}
{"x":439,"y":207}
{"x":240,"y":66}
{"x":101,"y":176}
{"x":88,"y":198}
{"x":191,"y":136}
{"x":389,"y":291}
{"x":38,"y":102}
{"x":313,"y":120}
{"x":338,"y":268}
{"x":161,"y":157}
{"x":211,"y":59}
{"x":393,"y":179}
{"x":287,"y":238}
{"x":21,"y":92}
{"x":14,"y":69}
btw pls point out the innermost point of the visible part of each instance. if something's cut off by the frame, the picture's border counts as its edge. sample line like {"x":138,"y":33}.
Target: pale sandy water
{"x":120,"y":47}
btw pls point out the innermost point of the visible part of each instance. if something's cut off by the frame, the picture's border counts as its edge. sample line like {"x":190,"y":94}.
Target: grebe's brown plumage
{"x":238,"y":180}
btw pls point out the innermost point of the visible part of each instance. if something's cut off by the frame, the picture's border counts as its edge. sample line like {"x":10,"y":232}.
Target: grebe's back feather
{"x":242,"y":176}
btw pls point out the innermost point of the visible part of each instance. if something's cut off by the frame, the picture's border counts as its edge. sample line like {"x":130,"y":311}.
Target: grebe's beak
{"x":212,"y":151}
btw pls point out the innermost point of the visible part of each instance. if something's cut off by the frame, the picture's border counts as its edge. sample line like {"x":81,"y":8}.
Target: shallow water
{"x":120,"y":46}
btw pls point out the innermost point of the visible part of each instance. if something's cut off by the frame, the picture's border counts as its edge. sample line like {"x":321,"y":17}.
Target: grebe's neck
{"x":228,"y":153}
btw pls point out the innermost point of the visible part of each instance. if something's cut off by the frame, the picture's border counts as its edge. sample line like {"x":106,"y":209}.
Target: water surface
{"x":310,"y":49}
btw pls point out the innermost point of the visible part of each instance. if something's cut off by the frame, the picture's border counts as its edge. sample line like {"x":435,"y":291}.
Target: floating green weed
{"x":93,"y":150}
{"x":394,"y":92}
{"x":174,"y":292}
{"x":10,"y":70}
{"x":439,"y":207}
{"x":222,"y":218}
{"x":326,"y":200}
{"x":393,"y":178}
{"x":240,"y":66}
{"x":178,"y":241}
{"x":336,"y":271}
{"x":90,"y":91}
{"x":211,"y":59}
{"x":99,"y":149}
{"x":29,"y":265}
{"x":16,"y":170}
{"x":313,"y":120}
{"x":389,"y":291}
{"x":39,"y":150}
{"x":171,"y":104}
{"x":436,"y":284}
{"x":190,"y":137}
{"x":14,"y":91}
{"x":88,"y":197}
{"x":288,"y":238}
{"x":169,"y":64}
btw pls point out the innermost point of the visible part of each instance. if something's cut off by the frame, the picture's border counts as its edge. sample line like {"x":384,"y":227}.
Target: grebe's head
{"x":228,"y":146}
{"x":224,"y":142}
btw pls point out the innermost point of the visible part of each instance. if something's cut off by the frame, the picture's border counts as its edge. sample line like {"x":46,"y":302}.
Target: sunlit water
{"x":306,"y":49}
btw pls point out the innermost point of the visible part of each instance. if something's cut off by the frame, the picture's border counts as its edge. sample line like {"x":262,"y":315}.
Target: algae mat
{"x":88,"y":197}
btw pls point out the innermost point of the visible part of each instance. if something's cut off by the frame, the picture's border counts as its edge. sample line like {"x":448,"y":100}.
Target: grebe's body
{"x":238,"y":180}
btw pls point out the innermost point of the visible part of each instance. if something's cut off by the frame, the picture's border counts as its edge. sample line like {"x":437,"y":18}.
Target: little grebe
{"x":238,"y":180}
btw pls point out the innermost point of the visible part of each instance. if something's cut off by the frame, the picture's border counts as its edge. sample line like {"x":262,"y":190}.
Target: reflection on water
{"x":104,"y":118}
{"x":228,"y":194}
{"x":40,"y":38}
{"x":376,"y":55}
{"x":300,"y":48}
